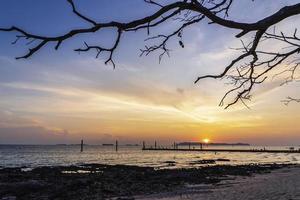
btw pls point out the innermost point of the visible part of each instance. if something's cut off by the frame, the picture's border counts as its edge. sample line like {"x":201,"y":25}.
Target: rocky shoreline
{"x":97,"y":181}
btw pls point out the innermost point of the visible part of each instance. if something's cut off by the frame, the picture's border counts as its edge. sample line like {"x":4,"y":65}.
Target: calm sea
{"x":52,"y":155}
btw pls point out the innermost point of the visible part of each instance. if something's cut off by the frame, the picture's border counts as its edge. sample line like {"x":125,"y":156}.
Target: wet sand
{"x":96,"y":181}
{"x":280,"y":184}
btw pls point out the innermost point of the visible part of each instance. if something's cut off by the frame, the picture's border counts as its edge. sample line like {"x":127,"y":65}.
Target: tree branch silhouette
{"x":244,"y":77}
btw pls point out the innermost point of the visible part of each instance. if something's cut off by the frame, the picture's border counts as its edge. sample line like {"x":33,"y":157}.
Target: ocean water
{"x":52,"y":155}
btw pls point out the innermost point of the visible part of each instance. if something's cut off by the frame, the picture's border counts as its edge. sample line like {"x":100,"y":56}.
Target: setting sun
{"x":206,"y":140}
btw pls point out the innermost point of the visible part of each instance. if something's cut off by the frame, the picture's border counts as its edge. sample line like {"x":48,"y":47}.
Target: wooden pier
{"x":221,"y":150}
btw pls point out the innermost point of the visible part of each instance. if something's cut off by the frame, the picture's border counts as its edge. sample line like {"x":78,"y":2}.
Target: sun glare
{"x":206,"y":140}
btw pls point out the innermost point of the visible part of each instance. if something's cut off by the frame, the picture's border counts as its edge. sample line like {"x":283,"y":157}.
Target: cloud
{"x":31,"y":135}
{"x":42,"y":135}
{"x":11,"y":119}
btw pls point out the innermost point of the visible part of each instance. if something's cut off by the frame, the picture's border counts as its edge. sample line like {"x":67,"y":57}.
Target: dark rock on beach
{"x":223,"y":160}
{"x":208,"y":161}
{"x":201,"y":162}
{"x":96,"y":181}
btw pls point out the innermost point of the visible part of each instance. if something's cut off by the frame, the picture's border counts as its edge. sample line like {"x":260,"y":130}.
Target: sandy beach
{"x":279,"y":184}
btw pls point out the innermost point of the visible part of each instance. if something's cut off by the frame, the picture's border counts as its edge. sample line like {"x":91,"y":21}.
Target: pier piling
{"x":81,"y":146}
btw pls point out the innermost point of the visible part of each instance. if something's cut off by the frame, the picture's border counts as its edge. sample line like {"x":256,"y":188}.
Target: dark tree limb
{"x":243,"y":77}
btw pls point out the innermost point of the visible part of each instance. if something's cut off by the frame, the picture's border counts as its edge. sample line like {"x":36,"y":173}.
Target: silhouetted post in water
{"x":189,"y":145}
{"x":144,"y":146}
{"x":116,"y":145}
{"x":81,"y":146}
{"x":155,"y":144}
{"x":201,"y":146}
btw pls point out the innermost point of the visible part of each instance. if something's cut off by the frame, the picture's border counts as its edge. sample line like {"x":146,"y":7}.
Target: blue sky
{"x":60,"y":96}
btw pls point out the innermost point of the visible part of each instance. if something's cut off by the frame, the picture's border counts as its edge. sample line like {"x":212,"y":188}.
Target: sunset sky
{"x":61,"y":96}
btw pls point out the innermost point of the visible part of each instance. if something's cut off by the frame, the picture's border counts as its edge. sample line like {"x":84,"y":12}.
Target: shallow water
{"x":50,"y":155}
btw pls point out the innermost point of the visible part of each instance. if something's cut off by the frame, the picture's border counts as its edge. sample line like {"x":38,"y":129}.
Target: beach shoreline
{"x":279,"y":184}
{"x":98,"y":181}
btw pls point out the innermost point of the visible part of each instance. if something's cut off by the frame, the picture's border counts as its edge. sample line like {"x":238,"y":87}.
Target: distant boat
{"x":132,"y":145}
{"x":107,"y":144}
